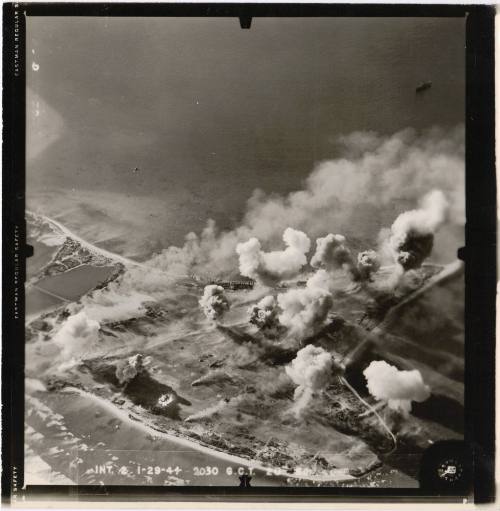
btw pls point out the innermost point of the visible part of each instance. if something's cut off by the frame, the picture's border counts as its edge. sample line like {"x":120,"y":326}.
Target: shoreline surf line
{"x":186,"y":442}
{"x":92,"y":248}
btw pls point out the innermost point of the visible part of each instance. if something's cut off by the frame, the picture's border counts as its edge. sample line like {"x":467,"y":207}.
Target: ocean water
{"x":96,"y":435}
{"x":74,"y":283}
{"x":208,"y":112}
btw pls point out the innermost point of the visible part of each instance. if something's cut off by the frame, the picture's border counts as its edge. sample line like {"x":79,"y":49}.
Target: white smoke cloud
{"x":304,"y":310}
{"x":271,"y":267}
{"x":208,"y":412}
{"x":128,"y":369}
{"x":116,"y":302}
{"x":311,"y":370}
{"x":321,"y":279}
{"x":398,"y":388}
{"x":311,"y":367}
{"x":77,"y":335}
{"x":368,"y":263}
{"x":214,"y":302}
{"x":412,"y":233}
{"x":332,"y":253}
{"x":264,"y":314}
{"x":354,"y":193}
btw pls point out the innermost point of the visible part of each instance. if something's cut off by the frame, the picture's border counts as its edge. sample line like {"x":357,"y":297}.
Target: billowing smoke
{"x":412,"y":233}
{"x":116,"y":302}
{"x":214,"y":302}
{"x":77,"y":335}
{"x":304,"y":310}
{"x":272,"y":267}
{"x":355,"y":193}
{"x":333,"y":254}
{"x":368,"y":264}
{"x":128,"y":369}
{"x":264,"y":315}
{"x":352,"y":192}
{"x":397,"y":388}
{"x":322,"y":280}
{"x":311,"y":370}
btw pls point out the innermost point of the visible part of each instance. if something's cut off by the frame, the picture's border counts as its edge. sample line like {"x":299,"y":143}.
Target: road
{"x":42,"y":290}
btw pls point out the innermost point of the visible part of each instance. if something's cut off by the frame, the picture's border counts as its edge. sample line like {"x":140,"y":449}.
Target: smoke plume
{"x":304,"y":310}
{"x":214,"y":302}
{"x":311,"y":370}
{"x":412,"y":233}
{"x":368,"y":264}
{"x":77,"y":335}
{"x":398,"y":388}
{"x":272,"y":267}
{"x":119,"y":300}
{"x":127,"y":370}
{"x":333,"y":254}
{"x":321,"y":279}
{"x":353,"y":192}
{"x":264,"y":315}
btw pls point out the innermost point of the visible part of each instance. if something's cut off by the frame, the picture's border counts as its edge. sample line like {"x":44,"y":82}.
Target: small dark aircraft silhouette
{"x":423,"y":86}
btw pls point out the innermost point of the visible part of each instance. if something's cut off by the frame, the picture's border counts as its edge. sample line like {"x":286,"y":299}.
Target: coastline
{"x":186,"y":442}
{"x":57,"y":226}
{"x":137,"y":421}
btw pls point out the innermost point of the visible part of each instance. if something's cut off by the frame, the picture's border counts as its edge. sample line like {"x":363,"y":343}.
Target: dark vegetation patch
{"x":142,"y":389}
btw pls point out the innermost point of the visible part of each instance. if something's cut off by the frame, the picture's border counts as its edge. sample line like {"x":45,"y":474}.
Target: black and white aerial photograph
{"x":245,"y":242}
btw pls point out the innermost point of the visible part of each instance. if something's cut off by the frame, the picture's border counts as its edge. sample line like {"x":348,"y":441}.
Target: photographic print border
{"x":479,"y":253}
